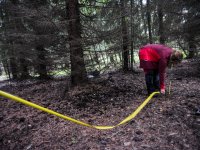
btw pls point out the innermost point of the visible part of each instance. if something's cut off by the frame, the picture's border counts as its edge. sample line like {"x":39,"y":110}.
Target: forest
{"x":80,"y":58}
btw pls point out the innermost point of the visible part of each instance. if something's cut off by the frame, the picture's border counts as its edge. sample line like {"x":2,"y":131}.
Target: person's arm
{"x":162,"y":69}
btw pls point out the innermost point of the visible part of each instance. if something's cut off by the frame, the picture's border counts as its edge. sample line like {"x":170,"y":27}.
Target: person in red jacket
{"x":154,"y":59}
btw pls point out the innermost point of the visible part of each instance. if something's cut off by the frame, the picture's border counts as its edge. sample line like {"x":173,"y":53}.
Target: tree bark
{"x":41,"y":62}
{"x":13,"y":65}
{"x":23,"y":69}
{"x":132,"y":37}
{"x":161,"y":27}
{"x":192,"y":46}
{"x":78,"y":70}
{"x":149,"y":22}
{"x":143,"y":19}
{"x":125,"y":52}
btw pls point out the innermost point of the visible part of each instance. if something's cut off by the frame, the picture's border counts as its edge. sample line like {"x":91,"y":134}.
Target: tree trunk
{"x":23,"y":69}
{"x":161,"y":27}
{"x":132,"y":37}
{"x":192,"y":46}
{"x":5,"y":65}
{"x":13,"y":66}
{"x":96,"y":58}
{"x":41,"y":62}
{"x":149,"y":22}
{"x":143,"y":16}
{"x":125,"y":52}
{"x":78,"y":70}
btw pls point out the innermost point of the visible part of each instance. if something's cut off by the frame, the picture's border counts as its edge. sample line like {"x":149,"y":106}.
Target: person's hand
{"x":162,"y":91}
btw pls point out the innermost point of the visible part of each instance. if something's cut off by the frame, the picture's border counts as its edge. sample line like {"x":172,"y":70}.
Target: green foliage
{"x":25,"y":25}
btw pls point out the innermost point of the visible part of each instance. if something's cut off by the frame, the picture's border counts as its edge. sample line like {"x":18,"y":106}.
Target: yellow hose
{"x":131,"y":116}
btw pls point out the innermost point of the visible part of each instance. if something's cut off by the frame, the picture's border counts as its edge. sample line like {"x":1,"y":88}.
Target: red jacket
{"x":155,"y":56}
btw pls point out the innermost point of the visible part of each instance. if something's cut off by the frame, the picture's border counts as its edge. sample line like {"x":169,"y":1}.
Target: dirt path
{"x":167,"y":123}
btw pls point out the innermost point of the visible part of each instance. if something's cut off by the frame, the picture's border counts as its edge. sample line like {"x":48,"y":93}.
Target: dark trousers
{"x":152,"y":81}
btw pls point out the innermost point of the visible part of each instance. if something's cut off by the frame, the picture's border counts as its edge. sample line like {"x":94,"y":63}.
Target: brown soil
{"x":166,"y":123}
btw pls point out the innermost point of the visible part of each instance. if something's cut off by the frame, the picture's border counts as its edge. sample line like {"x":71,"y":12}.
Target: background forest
{"x":44,"y":38}
{"x":66,"y":42}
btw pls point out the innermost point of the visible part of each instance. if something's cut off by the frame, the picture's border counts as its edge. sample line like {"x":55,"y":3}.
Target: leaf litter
{"x":167,"y":122}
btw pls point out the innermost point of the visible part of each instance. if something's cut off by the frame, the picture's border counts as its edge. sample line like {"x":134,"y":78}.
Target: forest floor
{"x":166,"y":123}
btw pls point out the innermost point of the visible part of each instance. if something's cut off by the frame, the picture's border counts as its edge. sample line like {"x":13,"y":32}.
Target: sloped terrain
{"x":166,"y":123}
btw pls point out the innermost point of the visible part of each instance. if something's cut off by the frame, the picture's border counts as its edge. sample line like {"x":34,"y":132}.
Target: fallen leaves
{"x":165,"y":123}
